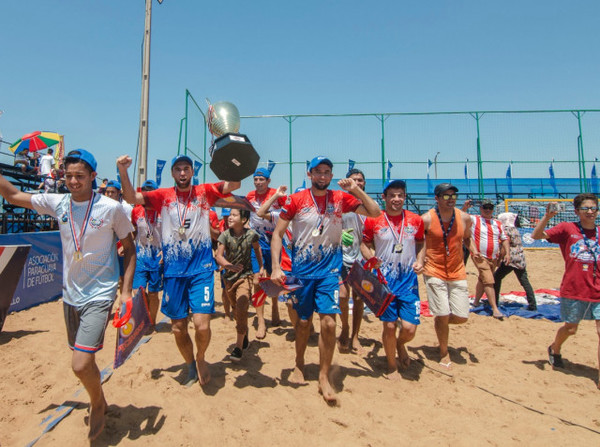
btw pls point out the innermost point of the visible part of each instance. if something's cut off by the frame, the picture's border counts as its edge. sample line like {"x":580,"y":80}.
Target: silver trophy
{"x":233,"y":156}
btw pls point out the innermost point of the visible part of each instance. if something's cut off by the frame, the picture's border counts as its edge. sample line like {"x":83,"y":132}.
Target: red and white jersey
{"x":317,"y":231}
{"x":185,"y":227}
{"x":487,"y":234}
{"x":263,"y":227}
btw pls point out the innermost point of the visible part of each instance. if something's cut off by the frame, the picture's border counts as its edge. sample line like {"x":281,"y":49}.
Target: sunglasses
{"x":449,"y":196}
{"x":585,"y":209}
{"x":487,"y":207}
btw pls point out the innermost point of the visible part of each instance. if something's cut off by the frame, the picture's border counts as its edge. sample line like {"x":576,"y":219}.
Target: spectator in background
{"x":22,"y":160}
{"x":102,"y":187}
{"x":46,"y":163}
{"x":517,"y":259}
{"x":489,"y":244}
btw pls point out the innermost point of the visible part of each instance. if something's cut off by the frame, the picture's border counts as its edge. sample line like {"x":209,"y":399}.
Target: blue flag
{"x":197,"y":166}
{"x":509,"y":181}
{"x":160,"y":164}
{"x":594,"y":178}
{"x":270,"y":166}
{"x":389,"y":169}
{"x":429,"y":183}
{"x":552,"y":178}
{"x":350,"y":165}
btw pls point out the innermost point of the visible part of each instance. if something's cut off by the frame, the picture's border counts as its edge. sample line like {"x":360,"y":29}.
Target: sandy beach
{"x":500,"y":391}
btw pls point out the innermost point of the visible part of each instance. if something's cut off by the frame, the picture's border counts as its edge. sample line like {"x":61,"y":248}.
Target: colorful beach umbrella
{"x":35,"y":141}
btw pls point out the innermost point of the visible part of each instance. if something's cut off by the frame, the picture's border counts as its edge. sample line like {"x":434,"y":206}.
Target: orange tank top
{"x":438,"y":263}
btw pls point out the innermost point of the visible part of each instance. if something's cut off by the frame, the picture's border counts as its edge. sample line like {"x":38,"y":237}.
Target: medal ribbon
{"x":185,"y":207}
{"x":150,"y":228}
{"x":397,"y":238}
{"x":589,"y":245}
{"x":321,"y":214}
{"x":86,"y":218}
{"x":445,"y":232}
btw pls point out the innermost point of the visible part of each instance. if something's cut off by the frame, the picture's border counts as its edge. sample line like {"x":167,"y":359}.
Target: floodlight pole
{"x":143,"y":149}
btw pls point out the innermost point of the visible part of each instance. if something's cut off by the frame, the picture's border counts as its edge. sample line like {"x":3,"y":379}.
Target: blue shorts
{"x":150,"y":278}
{"x":407,"y":308}
{"x":195,"y":293}
{"x":573,"y":311}
{"x":266,"y":254}
{"x":319,"y":295}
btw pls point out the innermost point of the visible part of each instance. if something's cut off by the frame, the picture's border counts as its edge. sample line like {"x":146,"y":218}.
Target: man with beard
{"x":316,"y":214}
{"x":353,"y":225}
{"x":446,"y":229}
{"x":89,"y":224}
{"x":396,"y":239}
{"x":187,"y":254}
{"x":264,"y":228}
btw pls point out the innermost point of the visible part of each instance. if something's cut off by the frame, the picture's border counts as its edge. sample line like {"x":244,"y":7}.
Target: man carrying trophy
{"x":187,"y":254}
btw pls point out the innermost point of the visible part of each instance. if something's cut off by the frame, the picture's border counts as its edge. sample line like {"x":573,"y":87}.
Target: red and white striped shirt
{"x":487,"y":234}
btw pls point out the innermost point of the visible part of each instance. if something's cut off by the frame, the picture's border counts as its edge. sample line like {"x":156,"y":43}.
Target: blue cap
{"x":150,"y":184}
{"x":318,"y":161}
{"x":83,"y":155}
{"x":113,"y":184}
{"x":262,"y":172}
{"x":182,"y":157}
{"x":225,"y":212}
{"x":394,"y":184}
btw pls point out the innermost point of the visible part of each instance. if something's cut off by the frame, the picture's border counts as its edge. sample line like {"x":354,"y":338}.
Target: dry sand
{"x":501,"y":390}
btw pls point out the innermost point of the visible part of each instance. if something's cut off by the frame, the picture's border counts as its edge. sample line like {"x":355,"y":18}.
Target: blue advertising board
{"x":42,"y":276}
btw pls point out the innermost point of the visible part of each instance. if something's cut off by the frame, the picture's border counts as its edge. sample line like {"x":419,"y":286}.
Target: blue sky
{"x":74,"y":67}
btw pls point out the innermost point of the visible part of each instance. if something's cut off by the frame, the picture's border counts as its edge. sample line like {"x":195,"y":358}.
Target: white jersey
{"x":96,"y":276}
{"x":46,"y":164}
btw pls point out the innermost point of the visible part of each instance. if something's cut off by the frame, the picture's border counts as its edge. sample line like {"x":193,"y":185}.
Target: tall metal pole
{"x":383,"y":179}
{"x":479,"y":163}
{"x":143,"y":149}
{"x":291,"y":158}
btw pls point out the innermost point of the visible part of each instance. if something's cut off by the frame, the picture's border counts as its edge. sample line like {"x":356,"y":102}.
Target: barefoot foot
{"x":203,"y":372}
{"x":297,"y":376}
{"x":403,"y":357}
{"x":327,"y":391}
{"x":97,"y":419}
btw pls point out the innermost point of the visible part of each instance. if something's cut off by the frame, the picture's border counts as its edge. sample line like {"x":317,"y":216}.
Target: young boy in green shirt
{"x":233,"y":254}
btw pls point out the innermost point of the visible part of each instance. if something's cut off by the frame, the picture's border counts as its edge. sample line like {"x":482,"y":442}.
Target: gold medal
{"x":316,"y":232}
{"x":182,"y":231}
{"x":150,"y":237}
{"x":398,"y":248}
{"x":77,"y":256}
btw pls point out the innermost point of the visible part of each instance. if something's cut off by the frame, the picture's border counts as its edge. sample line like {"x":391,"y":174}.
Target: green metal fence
{"x":415,"y":144}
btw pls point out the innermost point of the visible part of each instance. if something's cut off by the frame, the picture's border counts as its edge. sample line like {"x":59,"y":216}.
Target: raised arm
{"x":13,"y":195}
{"x":539,"y":231}
{"x":369,"y":207}
{"x":231,"y":186}
{"x":130,"y":195}
{"x":263,"y":212}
